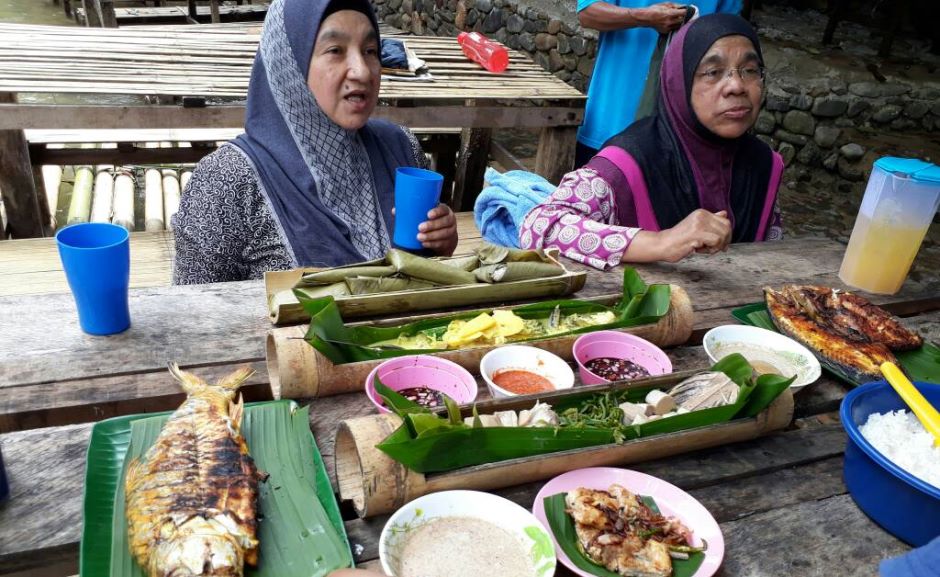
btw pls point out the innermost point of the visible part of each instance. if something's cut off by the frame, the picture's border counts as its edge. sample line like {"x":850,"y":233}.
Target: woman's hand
{"x":701,"y":231}
{"x":439,"y":232}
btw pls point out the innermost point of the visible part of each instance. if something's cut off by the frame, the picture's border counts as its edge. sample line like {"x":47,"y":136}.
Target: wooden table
{"x":197,"y":77}
{"x":780,"y":499}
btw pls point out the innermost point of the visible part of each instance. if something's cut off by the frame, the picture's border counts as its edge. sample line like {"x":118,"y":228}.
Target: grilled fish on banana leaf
{"x":191,"y":501}
{"x":843,"y":329}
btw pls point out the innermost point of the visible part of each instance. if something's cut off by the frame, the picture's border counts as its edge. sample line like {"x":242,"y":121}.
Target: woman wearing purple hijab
{"x":688,"y":179}
{"x":311,"y":181}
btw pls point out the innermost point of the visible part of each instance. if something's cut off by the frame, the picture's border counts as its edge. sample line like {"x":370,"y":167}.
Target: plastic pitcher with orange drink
{"x":900,"y":201}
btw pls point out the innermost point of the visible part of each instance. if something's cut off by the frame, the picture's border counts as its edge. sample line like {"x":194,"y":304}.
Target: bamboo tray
{"x":376,"y":484}
{"x":297,"y":370}
{"x":285,"y":309}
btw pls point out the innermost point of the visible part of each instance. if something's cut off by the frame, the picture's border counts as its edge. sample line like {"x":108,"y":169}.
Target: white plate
{"x":476,"y":504}
{"x":789,"y":356}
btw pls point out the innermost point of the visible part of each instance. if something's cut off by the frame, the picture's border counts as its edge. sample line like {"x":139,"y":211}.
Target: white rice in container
{"x":900,"y":437}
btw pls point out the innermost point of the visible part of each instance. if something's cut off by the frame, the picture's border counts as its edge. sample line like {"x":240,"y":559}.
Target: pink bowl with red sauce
{"x":413,"y":371}
{"x":618,"y":345}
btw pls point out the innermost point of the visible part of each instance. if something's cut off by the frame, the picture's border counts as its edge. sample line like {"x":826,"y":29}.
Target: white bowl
{"x":520,"y":357}
{"x":757,"y":344}
{"x":485,"y":506}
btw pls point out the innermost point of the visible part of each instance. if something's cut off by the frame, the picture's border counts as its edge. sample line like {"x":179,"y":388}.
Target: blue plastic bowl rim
{"x":851,"y":429}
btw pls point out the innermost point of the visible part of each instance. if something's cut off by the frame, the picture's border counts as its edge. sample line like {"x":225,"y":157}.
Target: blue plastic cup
{"x":97,"y":261}
{"x":417,"y":191}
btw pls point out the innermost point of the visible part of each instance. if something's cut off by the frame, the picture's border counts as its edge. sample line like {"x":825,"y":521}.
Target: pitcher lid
{"x":914,"y":168}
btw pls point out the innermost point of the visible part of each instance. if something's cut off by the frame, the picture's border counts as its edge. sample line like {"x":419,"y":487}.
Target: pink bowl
{"x":422,"y":371}
{"x":620,"y":346}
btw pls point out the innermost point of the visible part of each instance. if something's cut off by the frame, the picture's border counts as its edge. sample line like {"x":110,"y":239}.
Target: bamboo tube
{"x":80,"y":207}
{"x":104,"y":197}
{"x":184,"y":179}
{"x":51,"y":179}
{"x":377,"y":484}
{"x":297,"y":370}
{"x":123,"y":201}
{"x":65,"y":196}
{"x":153,"y":201}
{"x":171,"y":197}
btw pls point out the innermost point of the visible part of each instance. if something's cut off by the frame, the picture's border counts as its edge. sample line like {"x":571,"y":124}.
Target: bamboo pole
{"x":52,"y":178}
{"x":124,"y":201}
{"x":101,"y":208}
{"x":184,"y":179}
{"x":153,"y":200}
{"x":377,"y":484}
{"x":171,"y":197}
{"x":80,"y":207}
{"x":297,"y":370}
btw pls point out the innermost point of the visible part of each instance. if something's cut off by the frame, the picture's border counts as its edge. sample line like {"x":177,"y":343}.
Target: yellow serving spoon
{"x":916,"y":401}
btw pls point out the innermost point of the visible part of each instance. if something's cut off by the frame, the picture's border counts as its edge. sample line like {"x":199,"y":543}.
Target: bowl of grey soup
{"x":465,"y":534}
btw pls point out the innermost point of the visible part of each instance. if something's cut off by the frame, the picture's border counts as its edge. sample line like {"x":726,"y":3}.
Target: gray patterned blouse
{"x":224,"y":229}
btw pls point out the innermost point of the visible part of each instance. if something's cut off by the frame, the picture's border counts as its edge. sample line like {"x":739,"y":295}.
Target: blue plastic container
{"x":417,"y":191}
{"x":902,"y":504}
{"x":96,"y":259}
{"x":4,"y":485}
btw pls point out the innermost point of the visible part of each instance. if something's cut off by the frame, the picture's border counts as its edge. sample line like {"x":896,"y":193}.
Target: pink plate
{"x":671,"y":500}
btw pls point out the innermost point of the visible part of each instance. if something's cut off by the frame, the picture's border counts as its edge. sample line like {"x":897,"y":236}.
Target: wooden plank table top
{"x":779,"y":499}
{"x":187,"y":61}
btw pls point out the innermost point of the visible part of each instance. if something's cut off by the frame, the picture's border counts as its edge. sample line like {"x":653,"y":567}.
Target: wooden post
{"x":26,"y":215}
{"x":471,"y":165}
{"x":106,"y":13}
{"x":555,"y":156}
{"x":91,"y":13}
{"x":214,"y":11}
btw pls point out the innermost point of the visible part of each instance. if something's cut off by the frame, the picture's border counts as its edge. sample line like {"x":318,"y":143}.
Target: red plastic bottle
{"x":488,"y":53}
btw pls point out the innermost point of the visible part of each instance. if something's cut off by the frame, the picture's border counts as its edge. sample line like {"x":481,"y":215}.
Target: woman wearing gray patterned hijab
{"x":311,"y":181}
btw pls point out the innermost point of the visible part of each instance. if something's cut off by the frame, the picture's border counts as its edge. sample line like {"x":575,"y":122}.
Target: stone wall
{"x":557,"y":43}
{"x":827,"y":123}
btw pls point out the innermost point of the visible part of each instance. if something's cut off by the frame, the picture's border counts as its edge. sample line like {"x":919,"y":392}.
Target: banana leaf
{"x":337,"y":289}
{"x":467,"y":263}
{"x":428,"y":269}
{"x":363,"y":285}
{"x":921,"y":364}
{"x":427,"y":443}
{"x":513,"y":271}
{"x":494,"y":254}
{"x":374,"y":268}
{"x":562,"y":527}
{"x":639,"y":305}
{"x":301,"y":532}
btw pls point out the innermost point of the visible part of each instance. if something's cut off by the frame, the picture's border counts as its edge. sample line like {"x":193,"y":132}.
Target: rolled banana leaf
{"x":467,"y":263}
{"x":513,"y":271}
{"x":495,"y":254}
{"x":340,"y":274}
{"x":337,"y":289}
{"x":429,"y":270}
{"x":366,"y":285}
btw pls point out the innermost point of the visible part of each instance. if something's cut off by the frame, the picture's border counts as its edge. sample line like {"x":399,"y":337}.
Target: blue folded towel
{"x":921,"y":562}
{"x":501,"y":207}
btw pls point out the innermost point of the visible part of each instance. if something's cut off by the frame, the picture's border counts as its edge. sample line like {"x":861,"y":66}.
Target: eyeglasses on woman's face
{"x":751,"y":74}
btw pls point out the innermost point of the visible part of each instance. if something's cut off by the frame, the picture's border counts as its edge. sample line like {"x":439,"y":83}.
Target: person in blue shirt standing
{"x":629,"y":32}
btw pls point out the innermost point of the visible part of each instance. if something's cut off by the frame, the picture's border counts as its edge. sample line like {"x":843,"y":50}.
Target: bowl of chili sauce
{"x":522,"y":370}
{"x":608,"y":356}
{"x":423,"y":379}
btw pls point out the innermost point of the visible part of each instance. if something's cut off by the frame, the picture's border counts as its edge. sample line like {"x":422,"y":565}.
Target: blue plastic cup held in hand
{"x":96,"y":259}
{"x":417,"y":191}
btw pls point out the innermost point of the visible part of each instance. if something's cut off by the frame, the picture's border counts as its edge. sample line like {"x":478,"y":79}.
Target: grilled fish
{"x":611,"y":525}
{"x":841,"y":328}
{"x":191,"y":500}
